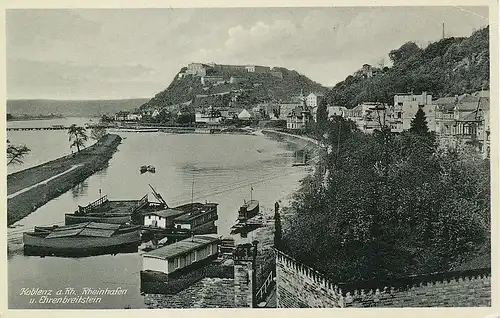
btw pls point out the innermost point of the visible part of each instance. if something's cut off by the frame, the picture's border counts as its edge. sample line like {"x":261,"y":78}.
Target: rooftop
{"x":189,"y":216}
{"x":182,"y":247}
{"x":167,"y":213}
{"x":93,"y":229}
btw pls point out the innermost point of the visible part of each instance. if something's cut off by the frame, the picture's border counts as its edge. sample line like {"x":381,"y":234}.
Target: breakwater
{"x":31,"y":188}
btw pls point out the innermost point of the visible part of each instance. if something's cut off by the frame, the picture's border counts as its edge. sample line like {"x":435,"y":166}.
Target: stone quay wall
{"x":299,"y":285}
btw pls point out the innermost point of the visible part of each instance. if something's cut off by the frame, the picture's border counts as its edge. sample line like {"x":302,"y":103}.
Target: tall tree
{"x":78,"y":135}
{"x":419,"y":124}
{"x":15,"y":154}
{"x":277,"y":226}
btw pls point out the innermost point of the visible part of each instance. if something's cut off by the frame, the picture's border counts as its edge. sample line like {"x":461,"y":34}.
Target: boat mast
{"x":192,"y":194}
{"x":251,"y":192}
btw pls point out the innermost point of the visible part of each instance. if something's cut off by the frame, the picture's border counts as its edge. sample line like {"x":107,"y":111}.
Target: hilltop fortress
{"x":211,"y":69}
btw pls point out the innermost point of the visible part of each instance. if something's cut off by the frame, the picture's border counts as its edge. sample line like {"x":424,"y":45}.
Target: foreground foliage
{"x":390,"y":204}
{"x":16,"y":153}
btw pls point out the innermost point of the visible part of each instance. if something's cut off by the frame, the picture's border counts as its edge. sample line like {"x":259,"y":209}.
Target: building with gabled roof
{"x":314,"y":99}
{"x":298,"y":118}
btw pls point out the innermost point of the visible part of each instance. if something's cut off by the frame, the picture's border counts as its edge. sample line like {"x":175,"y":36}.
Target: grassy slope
{"x":186,"y":89}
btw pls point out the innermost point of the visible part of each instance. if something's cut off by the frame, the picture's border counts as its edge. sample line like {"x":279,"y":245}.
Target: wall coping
{"x":382,"y":284}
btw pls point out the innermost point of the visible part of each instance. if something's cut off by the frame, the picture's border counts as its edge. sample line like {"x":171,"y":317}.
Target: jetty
{"x":54,"y":127}
{"x":31,"y":188}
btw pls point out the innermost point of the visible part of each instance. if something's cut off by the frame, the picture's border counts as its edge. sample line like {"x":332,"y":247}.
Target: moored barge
{"x":171,"y":268}
{"x":107,"y":211}
{"x":81,"y":239}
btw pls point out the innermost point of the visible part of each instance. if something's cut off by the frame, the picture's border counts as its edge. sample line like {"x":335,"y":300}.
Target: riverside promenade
{"x":31,"y":188}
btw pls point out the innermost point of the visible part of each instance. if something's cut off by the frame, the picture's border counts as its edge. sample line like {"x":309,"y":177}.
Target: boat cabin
{"x":248,"y":210}
{"x":171,"y":258}
{"x":163,"y":218}
{"x":198,"y":217}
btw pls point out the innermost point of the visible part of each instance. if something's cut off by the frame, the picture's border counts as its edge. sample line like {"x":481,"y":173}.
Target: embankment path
{"x":31,"y":188}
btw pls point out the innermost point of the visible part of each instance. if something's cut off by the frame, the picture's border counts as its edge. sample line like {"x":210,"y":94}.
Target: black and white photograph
{"x":263,"y":157}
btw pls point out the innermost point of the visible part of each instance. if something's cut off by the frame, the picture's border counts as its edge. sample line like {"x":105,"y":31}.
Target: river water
{"x":45,"y":145}
{"x":223,"y":167}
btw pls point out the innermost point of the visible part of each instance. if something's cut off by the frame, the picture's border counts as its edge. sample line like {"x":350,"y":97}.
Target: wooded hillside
{"x":444,"y":68}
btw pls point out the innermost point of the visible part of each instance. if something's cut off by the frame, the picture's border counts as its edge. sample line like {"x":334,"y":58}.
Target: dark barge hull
{"x":81,"y":252}
{"x":70,"y":219}
{"x":91,"y":243}
{"x":153,"y":282}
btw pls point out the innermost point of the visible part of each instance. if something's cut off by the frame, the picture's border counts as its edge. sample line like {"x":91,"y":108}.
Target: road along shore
{"x":29,"y":189}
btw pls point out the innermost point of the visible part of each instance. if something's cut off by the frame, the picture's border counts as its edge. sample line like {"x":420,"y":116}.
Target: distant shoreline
{"x":36,"y":118}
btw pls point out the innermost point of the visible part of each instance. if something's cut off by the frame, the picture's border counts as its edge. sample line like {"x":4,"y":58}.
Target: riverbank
{"x":266,"y":262}
{"x":302,"y":141}
{"x":44,"y":186}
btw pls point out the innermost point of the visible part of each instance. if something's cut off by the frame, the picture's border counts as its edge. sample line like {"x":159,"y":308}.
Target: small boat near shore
{"x":248,"y":210}
{"x":148,"y":168}
{"x":81,"y":239}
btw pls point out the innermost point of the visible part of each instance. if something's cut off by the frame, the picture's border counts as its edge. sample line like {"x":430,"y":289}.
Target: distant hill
{"x":451,"y":66}
{"x":70,"y":108}
{"x":256,"y":87}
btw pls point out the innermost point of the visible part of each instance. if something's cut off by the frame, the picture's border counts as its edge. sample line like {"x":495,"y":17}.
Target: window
{"x":399,"y":114}
{"x":176,"y":262}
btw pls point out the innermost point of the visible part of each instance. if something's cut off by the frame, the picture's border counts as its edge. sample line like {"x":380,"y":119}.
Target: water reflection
{"x":225,"y":167}
{"x":80,"y":189}
{"x":36,"y":251}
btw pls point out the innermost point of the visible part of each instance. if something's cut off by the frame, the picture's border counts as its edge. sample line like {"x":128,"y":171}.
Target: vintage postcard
{"x":266,"y":156}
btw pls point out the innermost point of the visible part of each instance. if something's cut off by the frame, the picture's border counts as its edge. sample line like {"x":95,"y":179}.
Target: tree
{"x":404,"y":52}
{"x":15,"y":154}
{"x":186,"y":118}
{"x":78,"y":135}
{"x":277,"y":226}
{"x":322,"y":113}
{"x":390,"y":205}
{"x":97,"y":133}
{"x":419,"y":124}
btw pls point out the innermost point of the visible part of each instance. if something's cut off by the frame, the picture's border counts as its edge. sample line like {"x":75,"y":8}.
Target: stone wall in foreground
{"x":301,"y":286}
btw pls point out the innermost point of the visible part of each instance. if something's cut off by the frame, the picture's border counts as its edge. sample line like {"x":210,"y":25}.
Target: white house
{"x":208,"y":116}
{"x":121,"y":115}
{"x":244,"y":115}
{"x":314,"y":99}
{"x":155,"y":113}
{"x":298,"y":118}
{"x":134,"y":117}
{"x":406,"y":106}
{"x":162,"y":219}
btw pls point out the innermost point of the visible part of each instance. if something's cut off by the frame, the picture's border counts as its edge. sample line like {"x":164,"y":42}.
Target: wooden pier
{"x":55,"y":127}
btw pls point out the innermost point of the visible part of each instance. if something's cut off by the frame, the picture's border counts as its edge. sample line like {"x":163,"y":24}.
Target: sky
{"x":135,"y":53}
